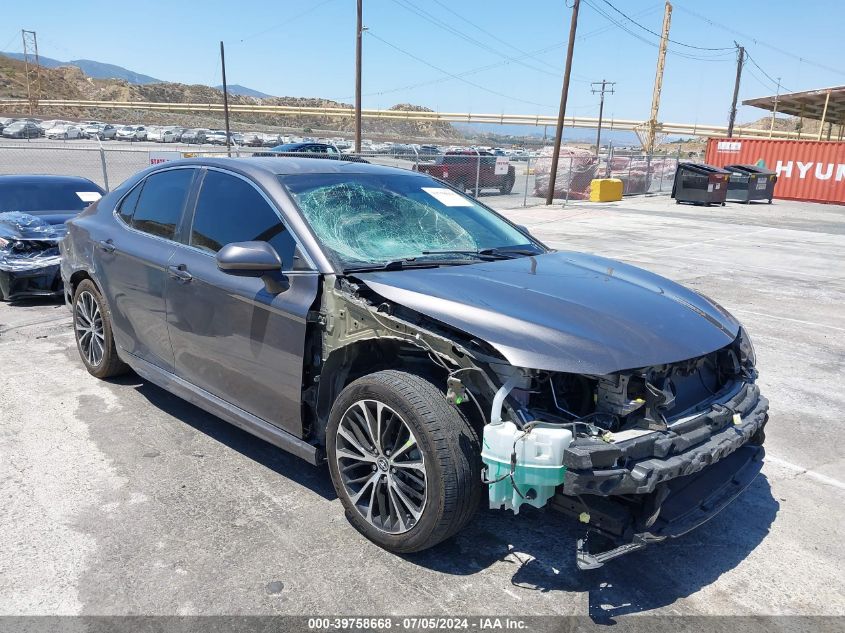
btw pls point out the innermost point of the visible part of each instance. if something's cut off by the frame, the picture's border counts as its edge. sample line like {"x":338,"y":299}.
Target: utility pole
{"x":740,"y":60}
{"x":359,"y":31}
{"x":651,"y":131}
{"x":774,"y":110}
{"x":32,"y":68}
{"x":573,"y":25}
{"x":603,"y":83}
{"x":225,"y":100}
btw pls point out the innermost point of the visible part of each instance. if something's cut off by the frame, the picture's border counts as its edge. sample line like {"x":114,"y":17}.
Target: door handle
{"x":179,"y":273}
{"x":106,"y":245}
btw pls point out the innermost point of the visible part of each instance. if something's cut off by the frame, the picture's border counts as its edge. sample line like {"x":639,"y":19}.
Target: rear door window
{"x":127,"y":205}
{"x":229,"y":209}
{"x":159,"y":207}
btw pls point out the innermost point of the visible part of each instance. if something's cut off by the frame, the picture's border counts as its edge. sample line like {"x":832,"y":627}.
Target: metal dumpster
{"x":749,"y":182}
{"x":700,"y":184}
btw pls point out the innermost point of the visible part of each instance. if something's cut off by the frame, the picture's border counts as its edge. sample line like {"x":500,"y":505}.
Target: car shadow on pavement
{"x":285,"y":464}
{"x":540,"y":545}
{"x":32,"y":302}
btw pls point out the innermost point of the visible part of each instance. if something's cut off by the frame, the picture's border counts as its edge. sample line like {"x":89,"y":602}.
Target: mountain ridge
{"x":93,"y":69}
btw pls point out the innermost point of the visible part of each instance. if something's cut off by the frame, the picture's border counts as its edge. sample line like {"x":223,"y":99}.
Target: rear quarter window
{"x":159,"y":206}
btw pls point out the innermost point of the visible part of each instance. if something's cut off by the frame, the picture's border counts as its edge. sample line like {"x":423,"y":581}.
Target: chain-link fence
{"x":506,"y":180}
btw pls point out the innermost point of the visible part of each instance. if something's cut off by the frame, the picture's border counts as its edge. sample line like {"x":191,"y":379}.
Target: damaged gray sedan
{"x":431,"y":351}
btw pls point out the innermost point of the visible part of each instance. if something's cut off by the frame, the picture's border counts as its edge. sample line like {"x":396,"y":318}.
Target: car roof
{"x":40,"y":179}
{"x":289,"y":165}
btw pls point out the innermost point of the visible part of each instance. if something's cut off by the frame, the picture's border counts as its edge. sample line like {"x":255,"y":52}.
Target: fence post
{"x":527,"y":172}
{"x":477,"y":170}
{"x":647,"y":174}
{"x":103,"y":164}
{"x":626,"y":189}
{"x":569,"y":184}
{"x":662,"y":173}
{"x":416,"y":158}
{"x":607,"y":170}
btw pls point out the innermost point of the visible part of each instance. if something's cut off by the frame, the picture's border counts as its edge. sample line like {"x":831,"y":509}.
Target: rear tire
{"x":93,"y":331}
{"x":405,"y":463}
{"x":507,"y":185}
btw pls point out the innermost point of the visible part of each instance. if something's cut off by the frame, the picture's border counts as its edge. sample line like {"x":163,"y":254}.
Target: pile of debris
{"x":575,"y":169}
{"x":639,"y":174}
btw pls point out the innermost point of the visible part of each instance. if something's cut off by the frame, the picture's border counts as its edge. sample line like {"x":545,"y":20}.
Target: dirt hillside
{"x":69,"y":82}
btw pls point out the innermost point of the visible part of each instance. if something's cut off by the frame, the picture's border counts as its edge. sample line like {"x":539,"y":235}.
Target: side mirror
{"x":254,"y":259}
{"x":523,"y":228}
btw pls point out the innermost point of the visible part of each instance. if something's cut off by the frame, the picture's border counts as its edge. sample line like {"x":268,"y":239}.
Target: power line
{"x":761,"y":42}
{"x":720,"y":57}
{"x":466,"y":73}
{"x":758,"y":79}
{"x":425,"y":15}
{"x":11,"y":40}
{"x":453,"y":75}
{"x":286,"y":22}
{"x":609,"y":27}
{"x":768,"y":76}
{"x":645,"y":28}
{"x":630,"y":19}
{"x":493,"y":35}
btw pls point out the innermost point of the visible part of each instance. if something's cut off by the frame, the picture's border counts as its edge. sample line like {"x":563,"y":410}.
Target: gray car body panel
{"x":565,"y":311}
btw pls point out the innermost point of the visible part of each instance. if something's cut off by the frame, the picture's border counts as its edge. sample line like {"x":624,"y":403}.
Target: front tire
{"x":404,"y":462}
{"x":93,"y":331}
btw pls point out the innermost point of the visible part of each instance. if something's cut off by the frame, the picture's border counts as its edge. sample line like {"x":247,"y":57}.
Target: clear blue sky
{"x":306,"y":48}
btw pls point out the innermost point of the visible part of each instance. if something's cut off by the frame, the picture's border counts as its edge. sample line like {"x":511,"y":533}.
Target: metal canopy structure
{"x":826,"y":105}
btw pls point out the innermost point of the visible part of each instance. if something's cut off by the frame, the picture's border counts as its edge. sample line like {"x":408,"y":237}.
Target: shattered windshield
{"x":379,"y":218}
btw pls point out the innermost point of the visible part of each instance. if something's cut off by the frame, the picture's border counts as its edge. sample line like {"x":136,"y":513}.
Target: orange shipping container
{"x":807,"y":170}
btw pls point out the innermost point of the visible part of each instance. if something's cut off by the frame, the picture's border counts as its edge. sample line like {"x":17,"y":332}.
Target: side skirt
{"x":225,"y":410}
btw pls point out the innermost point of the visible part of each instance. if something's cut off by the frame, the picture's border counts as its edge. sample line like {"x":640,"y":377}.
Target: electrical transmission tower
{"x":32,"y":68}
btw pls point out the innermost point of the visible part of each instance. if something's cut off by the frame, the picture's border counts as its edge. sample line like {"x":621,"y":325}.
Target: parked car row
{"x":57,"y":129}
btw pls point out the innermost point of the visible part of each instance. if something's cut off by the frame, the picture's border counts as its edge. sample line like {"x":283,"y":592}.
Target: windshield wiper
{"x":503,"y":252}
{"x":394,"y":264}
{"x":509,"y":251}
{"x":409,"y":262}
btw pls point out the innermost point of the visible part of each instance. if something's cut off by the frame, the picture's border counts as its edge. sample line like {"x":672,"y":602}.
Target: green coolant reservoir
{"x":539,"y":463}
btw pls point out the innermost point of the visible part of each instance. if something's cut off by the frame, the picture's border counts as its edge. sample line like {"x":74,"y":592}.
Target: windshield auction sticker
{"x":89,"y":196}
{"x":448,"y":197}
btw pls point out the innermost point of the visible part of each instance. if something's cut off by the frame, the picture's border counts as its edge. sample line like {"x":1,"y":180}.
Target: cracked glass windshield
{"x":375,"y":219}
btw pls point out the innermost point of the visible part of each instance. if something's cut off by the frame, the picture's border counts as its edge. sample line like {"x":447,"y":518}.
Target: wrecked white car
{"x":427,"y":348}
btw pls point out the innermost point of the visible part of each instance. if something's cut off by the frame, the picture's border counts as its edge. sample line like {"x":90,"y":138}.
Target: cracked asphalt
{"x":118,"y":498}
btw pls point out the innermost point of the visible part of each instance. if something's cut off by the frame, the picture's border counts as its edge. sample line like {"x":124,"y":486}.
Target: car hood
{"x":25,"y":226}
{"x":565,"y":311}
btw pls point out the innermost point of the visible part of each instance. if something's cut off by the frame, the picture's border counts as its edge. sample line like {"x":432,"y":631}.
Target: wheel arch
{"x":78,"y":277}
{"x":360,"y":358}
